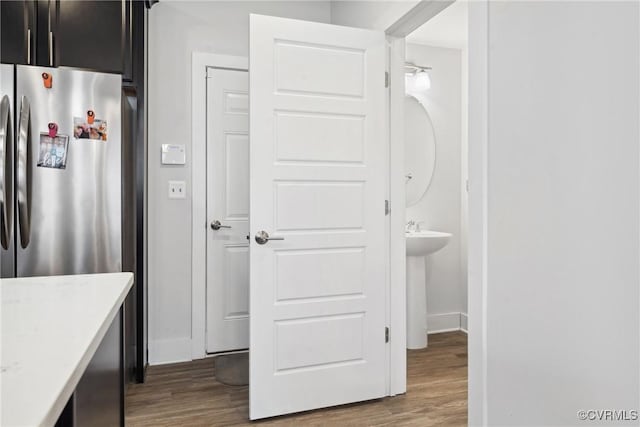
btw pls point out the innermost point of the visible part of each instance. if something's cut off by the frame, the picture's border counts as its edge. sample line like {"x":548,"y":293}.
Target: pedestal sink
{"x":420,"y":244}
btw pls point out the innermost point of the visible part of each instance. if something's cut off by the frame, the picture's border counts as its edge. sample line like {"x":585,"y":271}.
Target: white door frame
{"x":478,"y":141}
{"x":397,"y":304}
{"x":478,"y":207}
{"x":199,"y":64}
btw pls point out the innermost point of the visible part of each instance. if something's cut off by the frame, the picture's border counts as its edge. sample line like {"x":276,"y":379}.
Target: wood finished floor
{"x":187,"y":394}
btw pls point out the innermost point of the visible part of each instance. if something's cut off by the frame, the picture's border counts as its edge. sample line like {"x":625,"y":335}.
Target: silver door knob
{"x":215,"y":225}
{"x":262,"y":237}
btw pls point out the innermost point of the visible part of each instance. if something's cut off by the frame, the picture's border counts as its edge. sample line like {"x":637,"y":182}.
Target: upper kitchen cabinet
{"x":93,"y":35}
{"x":17,"y":32}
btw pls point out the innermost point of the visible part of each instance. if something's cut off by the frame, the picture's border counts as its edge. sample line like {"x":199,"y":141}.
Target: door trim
{"x":199,"y":63}
{"x":478,"y":145}
{"x":478,"y":231}
{"x":396,"y":272}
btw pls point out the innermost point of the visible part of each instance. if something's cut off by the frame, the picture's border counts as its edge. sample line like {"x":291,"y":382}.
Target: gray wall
{"x":561,"y":296}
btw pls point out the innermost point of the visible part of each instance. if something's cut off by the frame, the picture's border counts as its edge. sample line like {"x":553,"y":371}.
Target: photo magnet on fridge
{"x":82,"y":129}
{"x":53,"y":151}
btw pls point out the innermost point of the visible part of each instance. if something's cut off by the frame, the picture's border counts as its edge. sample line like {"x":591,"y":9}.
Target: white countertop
{"x":51,"y":328}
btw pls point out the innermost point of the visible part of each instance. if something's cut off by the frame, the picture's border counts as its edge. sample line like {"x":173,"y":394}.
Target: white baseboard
{"x":162,"y":352}
{"x":446,"y":322}
{"x":464,"y":321}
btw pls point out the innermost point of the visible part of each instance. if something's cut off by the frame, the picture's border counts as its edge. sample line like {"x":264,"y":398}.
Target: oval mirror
{"x":419,"y":151}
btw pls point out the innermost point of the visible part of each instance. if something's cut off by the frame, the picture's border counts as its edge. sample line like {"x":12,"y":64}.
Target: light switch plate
{"x":173,"y":154}
{"x":177,"y":190}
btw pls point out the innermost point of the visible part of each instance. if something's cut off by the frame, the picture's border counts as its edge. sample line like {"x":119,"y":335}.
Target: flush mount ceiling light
{"x":417,"y":78}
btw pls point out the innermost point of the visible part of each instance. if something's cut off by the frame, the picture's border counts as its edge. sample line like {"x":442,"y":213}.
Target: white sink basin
{"x":421,"y":243}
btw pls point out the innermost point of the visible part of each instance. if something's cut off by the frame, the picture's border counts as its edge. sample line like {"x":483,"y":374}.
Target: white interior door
{"x":228,"y":204}
{"x":317,"y":180}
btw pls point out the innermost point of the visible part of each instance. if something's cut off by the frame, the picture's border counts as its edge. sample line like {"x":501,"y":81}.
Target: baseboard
{"x":162,"y":352}
{"x":464,"y":321}
{"x":444,"y":322}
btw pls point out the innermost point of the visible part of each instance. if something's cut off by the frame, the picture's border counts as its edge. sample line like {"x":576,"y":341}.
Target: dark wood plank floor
{"x":187,"y":394}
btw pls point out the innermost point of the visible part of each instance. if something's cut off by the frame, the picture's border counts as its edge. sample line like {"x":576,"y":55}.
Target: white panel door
{"x":317,"y":180}
{"x":228,"y":204}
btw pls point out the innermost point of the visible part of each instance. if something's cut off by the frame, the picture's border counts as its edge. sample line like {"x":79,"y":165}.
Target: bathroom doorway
{"x":436,"y":172}
{"x":429,"y":112}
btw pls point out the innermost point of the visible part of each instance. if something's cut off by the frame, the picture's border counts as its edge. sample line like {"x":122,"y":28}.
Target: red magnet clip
{"x":91,"y":116}
{"x":53,"y":130}
{"x":47,"y":79}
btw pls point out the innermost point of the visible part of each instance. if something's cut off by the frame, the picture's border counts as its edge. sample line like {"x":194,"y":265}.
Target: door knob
{"x":215,"y":225}
{"x":262,"y":237}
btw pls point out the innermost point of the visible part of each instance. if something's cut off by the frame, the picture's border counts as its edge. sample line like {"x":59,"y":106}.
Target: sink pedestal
{"x":416,"y":302}
{"x":420,"y":244}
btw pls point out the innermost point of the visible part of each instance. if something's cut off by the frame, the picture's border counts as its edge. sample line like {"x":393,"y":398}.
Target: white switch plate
{"x":177,"y":189}
{"x":173,"y":154}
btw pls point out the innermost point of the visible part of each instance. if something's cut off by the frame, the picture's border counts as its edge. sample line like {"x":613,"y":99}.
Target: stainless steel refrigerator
{"x":60,"y":171}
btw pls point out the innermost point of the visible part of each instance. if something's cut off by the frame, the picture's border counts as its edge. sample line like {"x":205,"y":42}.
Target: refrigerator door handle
{"x":6,"y":173}
{"x":24,"y":172}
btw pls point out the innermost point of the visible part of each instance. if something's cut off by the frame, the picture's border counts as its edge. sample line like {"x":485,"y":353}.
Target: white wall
{"x":372,"y":14}
{"x":441,"y":207}
{"x":559,"y":290}
{"x":176,"y":30}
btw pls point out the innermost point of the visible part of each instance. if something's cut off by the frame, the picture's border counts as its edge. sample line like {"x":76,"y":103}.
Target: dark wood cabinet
{"x":93,"y":35}
{"x":17,"y":24}
{"x":98,"y":400}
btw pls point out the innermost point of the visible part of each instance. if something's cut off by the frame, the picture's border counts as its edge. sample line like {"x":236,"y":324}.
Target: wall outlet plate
{"x":177,"y":190}
{"x":173,"y":154}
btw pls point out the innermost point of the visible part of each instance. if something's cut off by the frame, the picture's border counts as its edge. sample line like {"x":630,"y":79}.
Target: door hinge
{"x":387,"y":207}
{"x":386,"y":334}
{"x":386,"y":79}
